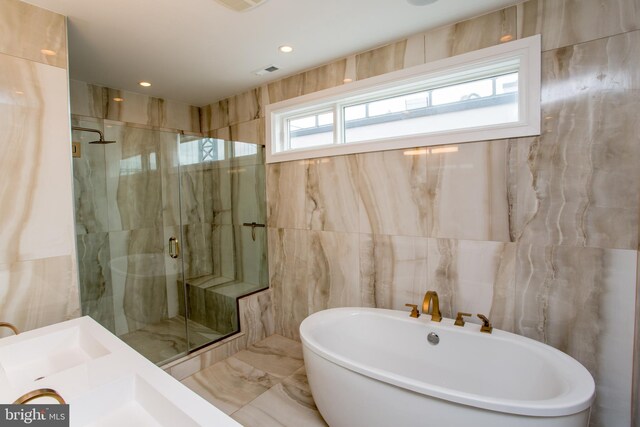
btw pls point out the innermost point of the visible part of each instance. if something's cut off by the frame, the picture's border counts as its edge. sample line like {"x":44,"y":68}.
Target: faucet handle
{"x":459,"y":320}
{"x":414,"y":310}
{"x":486,"y":324}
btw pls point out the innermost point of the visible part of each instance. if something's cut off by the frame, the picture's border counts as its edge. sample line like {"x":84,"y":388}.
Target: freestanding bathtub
{"x":375,"y":367}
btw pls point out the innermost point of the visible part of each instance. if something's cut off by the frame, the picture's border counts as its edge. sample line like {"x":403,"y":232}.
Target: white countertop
{"x":104,"y":381}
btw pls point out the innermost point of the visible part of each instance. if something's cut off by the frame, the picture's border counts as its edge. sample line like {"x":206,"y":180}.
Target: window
{"x":487,"y":94}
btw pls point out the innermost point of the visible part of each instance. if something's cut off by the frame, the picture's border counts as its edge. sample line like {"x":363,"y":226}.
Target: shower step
{"x":213,"y":301}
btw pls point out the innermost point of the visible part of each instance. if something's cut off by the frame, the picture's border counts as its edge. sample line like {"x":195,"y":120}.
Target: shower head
{"x":100,"y":141}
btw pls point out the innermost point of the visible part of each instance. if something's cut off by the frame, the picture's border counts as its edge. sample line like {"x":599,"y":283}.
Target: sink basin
{"x":128,"y":401}
{"x":104,"y":381}
{"x":33,"y":359}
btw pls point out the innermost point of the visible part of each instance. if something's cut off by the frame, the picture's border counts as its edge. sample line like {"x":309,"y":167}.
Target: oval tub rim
{"x":576,"y":400}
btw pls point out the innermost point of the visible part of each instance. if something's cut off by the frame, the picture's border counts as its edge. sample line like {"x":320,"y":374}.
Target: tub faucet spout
{"x":431,"y":299}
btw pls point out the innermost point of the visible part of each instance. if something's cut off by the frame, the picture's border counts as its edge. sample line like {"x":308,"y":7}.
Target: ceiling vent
{"x":241,"y":5}
{"x":266,"y":70}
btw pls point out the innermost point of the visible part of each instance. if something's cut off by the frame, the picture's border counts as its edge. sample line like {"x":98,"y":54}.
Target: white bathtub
{"x":374,"y":367}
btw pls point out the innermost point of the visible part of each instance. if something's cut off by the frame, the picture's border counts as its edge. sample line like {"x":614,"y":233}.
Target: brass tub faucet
{"x":431,"y":299}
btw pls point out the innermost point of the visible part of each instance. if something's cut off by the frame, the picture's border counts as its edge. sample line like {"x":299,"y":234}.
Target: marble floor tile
{"x":166,"y":339}
{"x":287,"y":404}
{"x":230,"y":384}
{"x":276,"y":355}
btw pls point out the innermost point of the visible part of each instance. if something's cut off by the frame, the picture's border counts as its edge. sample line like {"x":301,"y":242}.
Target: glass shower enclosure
{"x":170,"y":234}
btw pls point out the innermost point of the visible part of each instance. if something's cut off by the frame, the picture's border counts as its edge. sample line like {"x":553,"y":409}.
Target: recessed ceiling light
{"x":421,"y":2}
{"x":118,"y":99}
{"x":347,"y":80}
{"x":48,"y":52}
{"x":285,"y":49}
{"x":145,"y":84}
{"x":506,"y":38}
{"x":19,"y":92}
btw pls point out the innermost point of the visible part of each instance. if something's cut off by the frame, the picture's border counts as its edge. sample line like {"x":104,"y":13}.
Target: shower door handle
{"x":174,"y":247}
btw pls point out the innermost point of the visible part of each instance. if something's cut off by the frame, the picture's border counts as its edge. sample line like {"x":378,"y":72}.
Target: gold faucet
{"x":486,"y":324}
{"x":10,"y":326}
{"x":431,"y":299}
{"x":459,"y":318}
{"x":41,"y":392}
{"x":414,"y":310}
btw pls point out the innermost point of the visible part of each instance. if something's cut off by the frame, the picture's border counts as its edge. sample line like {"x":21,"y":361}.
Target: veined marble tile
{"x":474,"y":277}
{"x":289,"y":403}
{"x":288,"y":258}
{"x":134,"y":179}
{"x":245,"y":107}
{"x":36,"y":190}
{"x":396,"y":56}
{"x":251,"y":256}
{"x":146,"y":110}
{"x":87,"y":99}
{"x":256,"y":316}
{"x":286,"y":183}
{"x":159,"y":341}
{"x":381,"y":60}
{"x":90,"y":181}
{"x":565,"y":22}
{"x":333,"y":277}
{"x":230,"y":384}
{"x":468,"y":192}
{"x":38,"y":293}
{"x":223,"y":350}
{"x":138,"y":277}
{"x":208,"y":250}
{"x":393,"y":270}
{"x":177,"y":115}
{"x":171,"y":179}
{"x":393,"y":193}
{"x":473,"y":34}
{"x":578,"y":183}
{"x":27,"y":29}
{"x":324,"y":77}
{"x":275,"y":355}
{"x":250,"y":131}
{"x":96,"y":291}
{"x":222,"y":133}
{"x":582,"y":301}
{"x":248,"y":193}
{"x":206,"y":194}
{"x":215,"y":116}
{"x":332,"y":194}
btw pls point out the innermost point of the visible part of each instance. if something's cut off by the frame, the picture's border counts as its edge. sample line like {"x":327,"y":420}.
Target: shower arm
{"x":89,"y":130}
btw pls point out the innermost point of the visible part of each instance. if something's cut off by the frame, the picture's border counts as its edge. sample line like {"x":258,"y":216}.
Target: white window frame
{"x":527,"y":51}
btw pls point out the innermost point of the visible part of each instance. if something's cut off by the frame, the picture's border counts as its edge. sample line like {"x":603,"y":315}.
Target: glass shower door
{"x":222,"y":189}
{"x":127,"y":205}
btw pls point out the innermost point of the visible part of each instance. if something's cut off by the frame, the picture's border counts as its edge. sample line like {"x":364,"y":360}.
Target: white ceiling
{"x":198,"y":51}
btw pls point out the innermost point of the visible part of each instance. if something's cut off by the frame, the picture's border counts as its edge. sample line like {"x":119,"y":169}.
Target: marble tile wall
{"x":256,"y":323}
{"x":540,"y":233}
{"x":28,"y":29}
{"x":38,"y":276}
{"x":97,"y":101}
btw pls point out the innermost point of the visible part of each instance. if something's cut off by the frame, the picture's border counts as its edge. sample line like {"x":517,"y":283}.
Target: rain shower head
{"x":100,"y":141}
